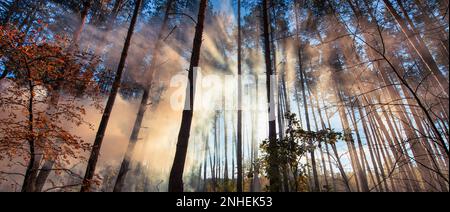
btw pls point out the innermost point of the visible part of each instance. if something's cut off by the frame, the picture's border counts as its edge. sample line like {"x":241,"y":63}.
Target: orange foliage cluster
{"x":40,"y":91}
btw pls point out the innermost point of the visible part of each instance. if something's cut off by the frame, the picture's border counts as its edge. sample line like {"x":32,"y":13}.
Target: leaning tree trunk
{"x":176,"y":174}
{"x":83,"y":17}
{"x":319,"y":109}
{"x":430,"y":63}
{"x":361,"y":175}
{"x":433,"y":25}
{"x":124,"y":168}
{"x":369,"y":145}
{"x":90,"y":170}
{"x":376,"y":138}
{"x":391,"y":91}
{"x":319,"y":145}
{"x":420,"y":48}
{"x":338,"y":158}
{"x":360,"y":145}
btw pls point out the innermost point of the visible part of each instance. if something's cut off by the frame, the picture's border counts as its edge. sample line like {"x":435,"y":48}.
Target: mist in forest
{"x":336,"y":96}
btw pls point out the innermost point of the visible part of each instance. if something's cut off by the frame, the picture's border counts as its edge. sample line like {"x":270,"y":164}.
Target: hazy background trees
{"x":366,"y":80}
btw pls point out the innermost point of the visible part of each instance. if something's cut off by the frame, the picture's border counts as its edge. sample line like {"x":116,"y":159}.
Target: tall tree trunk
{"x":274,"y":171}
{"x":215,"y":161}
{"x":82,"y":22}
{"x":33,"y":164}
{"x":380,"y":143}
{"x":205,"y":161}
{"x":233,"y":149}
{"x":303,"y":83}
{"x":226,"y":140}
{"x":144,"y":103}
{"x":360,"y":173}
{"x":239,"y":182}
{"x":319,"y":109}
{"x":284,"y":168}
{"x":319,"y":145}
{"x":389,"y":164}
{"x":218,"y":151}
{"x":359,"y":139}
{"x":308,"y":124}
{"x":256,"y":181}
{"x":426,"y":57}
{"x":376,"y":147}
{"x":399,"y":111}
{"x":341,"y":168}
{"x":338,"y":158}
{"x":378,"y":184}
{"x":212,"y":168}
{"x":176,"y":174}
{"x":90,"y":170}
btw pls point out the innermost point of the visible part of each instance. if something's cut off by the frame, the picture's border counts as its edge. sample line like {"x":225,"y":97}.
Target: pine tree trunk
{"x":212,"y":169}
{"x":417,"y":149}
{"x":365,"y":22}
{"x":370,"y":138}
{"x":176,"y":174}
{"x":226,"y":139}
{"x":233,"y":149}
{"x":319,"y":145}
{"x":256,"y":180}
{"x":361,"y":175}
{"x":380,"y":143}
{"x":90,"y":170}
{"x":218,"y":152}
{"x":83,"y":17}
{"x":338,"y":158}
{"x":284,"y":168}
{"x":144,"y":103}
{"x":316,"y":129}
{"x":274,"y":171}
{"x":319,"y":109}
{"x":215,"y":161}
{"x":205,"y":160}
{"x":355,"y":125}
{"x":239,"y":182}
{"x":308,"y":124}
{"x":376,"y":147}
